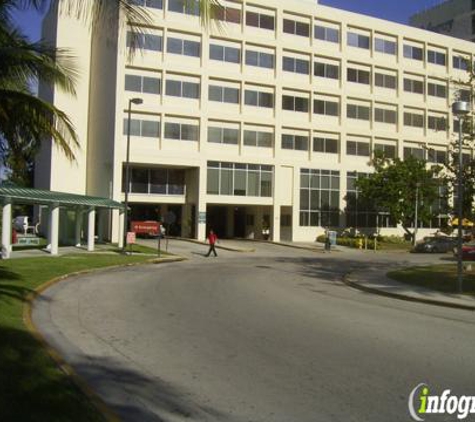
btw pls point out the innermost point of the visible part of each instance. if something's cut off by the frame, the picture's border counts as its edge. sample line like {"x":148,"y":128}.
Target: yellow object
{"x":465,"y":222}
{"x":360,"y":243}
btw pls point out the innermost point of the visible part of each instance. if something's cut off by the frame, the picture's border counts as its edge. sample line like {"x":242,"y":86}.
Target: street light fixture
{"x":460,"y":109}
{"x":135,"y":101}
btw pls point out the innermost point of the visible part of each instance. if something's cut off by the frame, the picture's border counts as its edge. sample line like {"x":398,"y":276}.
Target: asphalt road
{"x":269,"y":336}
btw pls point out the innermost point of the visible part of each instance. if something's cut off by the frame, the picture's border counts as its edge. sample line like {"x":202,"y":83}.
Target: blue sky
{"x":394,"y":10}
{"x":398,"y":11}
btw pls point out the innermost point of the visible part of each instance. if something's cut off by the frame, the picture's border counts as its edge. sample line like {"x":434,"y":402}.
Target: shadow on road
{"x":332,"y":271}
{"x":159,"y":400}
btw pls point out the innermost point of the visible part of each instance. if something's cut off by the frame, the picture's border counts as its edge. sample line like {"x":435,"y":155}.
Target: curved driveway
{"x":267,"y":336}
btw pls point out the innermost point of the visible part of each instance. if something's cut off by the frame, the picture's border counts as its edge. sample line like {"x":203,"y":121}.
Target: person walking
{"x":212,"y":239}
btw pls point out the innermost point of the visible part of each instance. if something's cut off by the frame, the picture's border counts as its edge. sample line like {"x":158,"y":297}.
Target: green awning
{"x":46,"y":197}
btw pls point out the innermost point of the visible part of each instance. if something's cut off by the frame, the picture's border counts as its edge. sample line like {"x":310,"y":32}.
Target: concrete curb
{"x":269,"y":242}
{"x":225,"y":248}
{"x":67,"y":369}
{"x":354,"y":284}
{"x":289,"y":245}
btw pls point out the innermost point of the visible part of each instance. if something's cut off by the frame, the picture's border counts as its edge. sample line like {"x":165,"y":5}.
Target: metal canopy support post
{"x":100,"y":226}
{"x":54,"y":228}
{"x":91,"y":221}
{"x":6,"y":229}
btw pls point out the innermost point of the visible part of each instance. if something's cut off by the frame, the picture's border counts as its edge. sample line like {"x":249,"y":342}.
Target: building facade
{"x":258,"y":125}
{"x":453,"y":17}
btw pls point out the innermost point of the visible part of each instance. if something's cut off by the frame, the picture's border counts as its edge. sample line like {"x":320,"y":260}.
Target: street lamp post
{"x":136,"y":101}
{"x":416,"y":214}
{"x":460,"y":109}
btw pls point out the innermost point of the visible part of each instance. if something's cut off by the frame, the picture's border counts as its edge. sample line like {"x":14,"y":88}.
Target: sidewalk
{"x":226,"y":244}
{"x":308,"y":246}
{"x":375,"y":281}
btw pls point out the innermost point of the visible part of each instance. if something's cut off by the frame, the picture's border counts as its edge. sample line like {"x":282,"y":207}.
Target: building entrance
{"x":238,"y":221}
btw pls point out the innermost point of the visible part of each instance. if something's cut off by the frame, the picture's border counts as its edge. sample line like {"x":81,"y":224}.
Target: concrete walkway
{"x":374,"y":280}
{"x":63,"y":250}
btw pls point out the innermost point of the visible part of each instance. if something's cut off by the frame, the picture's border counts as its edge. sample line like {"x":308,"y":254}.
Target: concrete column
{"x":48,"y":230}
{"x":6,"y":229}
{"x":230,"y":222}
{"x":77,"y":234}
{"x":121,"y":229}
{"x":91,"y":221}
{"x":275,"y":223}
{"x":186,"y":221}
{"x":258,"y":216}
{"x":54,"y":229}
{"x":201,"y":217}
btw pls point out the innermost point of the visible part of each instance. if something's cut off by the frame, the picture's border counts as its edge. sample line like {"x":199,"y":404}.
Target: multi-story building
{"x":452,"y":17}
{"x":260,"y":123}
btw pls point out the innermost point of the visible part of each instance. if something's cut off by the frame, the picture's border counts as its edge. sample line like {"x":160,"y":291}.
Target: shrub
{"x":392,"y":239}
{"x":351,"y":242}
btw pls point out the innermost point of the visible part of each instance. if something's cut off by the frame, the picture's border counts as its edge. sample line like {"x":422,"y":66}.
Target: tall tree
{"x":399,"y":187}
{"x":464,"y":91}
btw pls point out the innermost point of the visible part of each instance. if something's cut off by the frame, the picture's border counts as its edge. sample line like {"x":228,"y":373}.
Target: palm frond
{"x":209,"y":11}
{"x":22,"y":114}
{"x":22,"y":62}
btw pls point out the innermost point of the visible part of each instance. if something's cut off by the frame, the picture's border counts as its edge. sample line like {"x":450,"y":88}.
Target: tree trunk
{"x":411,"y":234}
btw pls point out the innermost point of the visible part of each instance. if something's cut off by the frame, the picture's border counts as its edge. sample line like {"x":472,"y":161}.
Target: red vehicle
{"x":468,"y":251}
{"x":145,"y":228}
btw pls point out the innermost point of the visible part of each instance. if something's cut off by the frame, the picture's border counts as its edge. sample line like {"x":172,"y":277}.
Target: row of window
{"x":151,"y":129}
{"x":231,"y":136}
{"x":319,"y":197}
{"x":362,"y":213}
{"x":324,"y":33}
{"x":320,"y":202}
{"x":292,"y":64}
{"x":264,"y":99}
{"x":160,"y":181}
{"x":236,"y":179}
{"x":152,"y":85}
{"x":252,"y":58}
{"x":319,"y":191}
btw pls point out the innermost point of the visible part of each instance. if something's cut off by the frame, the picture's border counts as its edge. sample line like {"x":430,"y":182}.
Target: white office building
{"x":452,"y":17}
{"x":262,"y":123}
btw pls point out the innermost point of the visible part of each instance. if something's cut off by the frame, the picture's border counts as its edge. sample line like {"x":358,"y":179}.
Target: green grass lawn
{"x":32,"y":388}
{"x":442,"y":278}
{"x":136,"y":248}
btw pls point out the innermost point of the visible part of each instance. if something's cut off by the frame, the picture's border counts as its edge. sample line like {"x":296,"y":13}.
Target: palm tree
{"x":21,"y":63}
{"x":23,"y":116}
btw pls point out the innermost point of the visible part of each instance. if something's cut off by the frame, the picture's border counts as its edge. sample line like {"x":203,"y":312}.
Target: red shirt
{"x":212,"y":238}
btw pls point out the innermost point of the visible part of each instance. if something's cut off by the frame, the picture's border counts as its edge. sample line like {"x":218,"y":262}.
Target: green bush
{"x":351,"y":242}
{"x":396,"y":240}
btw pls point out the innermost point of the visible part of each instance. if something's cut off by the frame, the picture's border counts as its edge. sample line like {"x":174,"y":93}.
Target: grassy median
{"x":442,"y":278}
{"x":32,"y":388}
